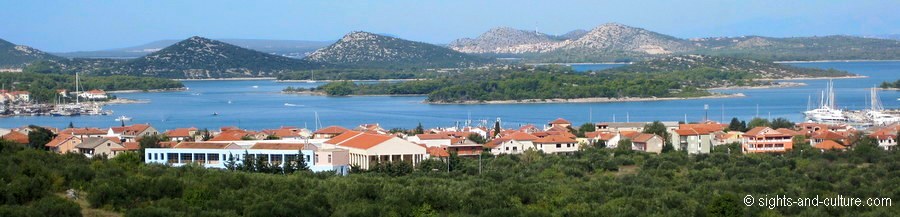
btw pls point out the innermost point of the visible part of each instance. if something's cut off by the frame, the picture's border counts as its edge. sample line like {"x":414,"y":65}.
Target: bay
{"x":258,"y":104}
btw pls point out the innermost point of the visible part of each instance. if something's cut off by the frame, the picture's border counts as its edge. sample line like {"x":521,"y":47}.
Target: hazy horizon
{"x":63,"y":26}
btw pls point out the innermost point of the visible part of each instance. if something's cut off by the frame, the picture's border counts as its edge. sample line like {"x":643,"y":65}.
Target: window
{"x":558,"y":145}
{"x":186,"y":158}
{"x":329,"y":158}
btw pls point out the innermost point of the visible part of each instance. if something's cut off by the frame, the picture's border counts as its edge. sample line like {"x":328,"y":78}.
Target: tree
{"x":758,"y":122}
{"x":496,"y":129}
{"x":659,"y":129}
{"x":586,"y":127}
{"x":148,"y":141}
{"x":624,"y":144}
{"x":231,"y":164}
{"x":301,"y":162}
{"x":39,"y":136}
{"x":781,"y":123}
{"x":476,"y":138}
{"x":736,"y":125}
{"x":71,"y":125}
{"x":419,"y":129}
{"x":728,"y":205}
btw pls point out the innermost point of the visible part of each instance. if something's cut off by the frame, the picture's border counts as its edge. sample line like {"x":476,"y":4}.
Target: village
{"x":20,"y":103}
{"x":337,"y":149}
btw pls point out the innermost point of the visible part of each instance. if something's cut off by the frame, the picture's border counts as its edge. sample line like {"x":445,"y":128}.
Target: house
{"x":182,"y":134}
{"x":464,"y":147}
{"x":648,"y":142}
{"x":126,"y":147}
{"x":98,"y":146}
{"x":366,"y":149}
{"x":696,"y":138}
{"x":514,"y":143}
{"x":559,"y":122}
{"x":556,"y":144}
{"x":766,"y":140}
{"x":724,"y":138}
{"x":93,"y":94}
{"x":64,"y":143}
{"x":620,"y":126}
{"x":371,"y":128}
{"x":233,"y":135}
{"x":829,"y":145}
{"x":287,"y":133}
{"x":16,"y":137}
{"x":222,"y":154}
{"x":886,"y":136}
{"x":21,"y":96}
{"x":329,"y":132}
{"x":431,"y":140}
{"x":84,"y":132}
{"x":824,"y":135}
{"x":529,"y":128}
{"x":131,"y":133}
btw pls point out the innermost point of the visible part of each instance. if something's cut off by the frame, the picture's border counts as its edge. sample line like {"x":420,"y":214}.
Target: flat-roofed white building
{"x":218,"y":155}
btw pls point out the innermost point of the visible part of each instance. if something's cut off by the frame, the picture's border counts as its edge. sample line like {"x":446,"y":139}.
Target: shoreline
{"x":226,"y":79}
{"x":831,"y":61}
{"x":124,"y":101}
{"x":149,"y":91}
{"x":811,"y":78}
{"x":585,"y":100}
{"x":317,"y":81}
{"x":777,"y":85}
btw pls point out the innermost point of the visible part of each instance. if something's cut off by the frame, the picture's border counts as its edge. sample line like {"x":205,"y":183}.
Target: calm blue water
{"x":264,"y":107}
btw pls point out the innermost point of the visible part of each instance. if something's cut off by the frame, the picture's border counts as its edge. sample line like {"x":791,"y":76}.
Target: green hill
{"x":749,"y":67}
{"x":17,"y":56}
{"x":363,"y":49}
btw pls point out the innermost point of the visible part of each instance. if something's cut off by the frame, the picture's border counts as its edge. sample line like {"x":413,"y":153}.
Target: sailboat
{"x":312,"y":77}
{"x":827,"y":111}
{"x":876,"y":111}
{"x":123,"y":118}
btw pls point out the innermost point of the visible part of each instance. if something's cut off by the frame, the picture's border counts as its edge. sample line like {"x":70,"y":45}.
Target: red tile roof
{"x":628,"y":134}
{"x":560,"y":121}
{"x":520,"y":136}
{"x":231,"y":135}
{"x":83,"y":131}
{"x":359,"y":140}
{"x":644,"y":137}
{"x":128,"y":146}
{"x":282,"y":146}
{"x":181,"y":132}
{"x":202,"y":145}
{"x":332,"y":130}
{"x":437,"y":152}
{"x":554,"y":139}
{"x":60,"y":139}
{"x":432,"y":136}
{"x":830,"y":145}
{"x":828,"y":135}
{"x":17,"y":137}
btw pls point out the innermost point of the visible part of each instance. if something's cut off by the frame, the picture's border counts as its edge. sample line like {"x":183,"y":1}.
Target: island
{"x":676,"y":77}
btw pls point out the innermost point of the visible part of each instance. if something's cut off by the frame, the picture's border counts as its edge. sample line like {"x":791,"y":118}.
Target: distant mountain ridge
{"x":288,"y":48}
{"x":16,"y":56}
{"x":373,"y":50}
{"x":617,"y":42}
{"x":199,"y":57}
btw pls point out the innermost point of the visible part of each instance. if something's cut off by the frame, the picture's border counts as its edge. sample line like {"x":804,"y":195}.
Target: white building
{"x":218,"y":155}
{"x":367,"y":149}
{"x":93,"y":94}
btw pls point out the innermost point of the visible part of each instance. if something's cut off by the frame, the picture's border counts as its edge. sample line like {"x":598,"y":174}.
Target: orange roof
{"x":788,"y":132}
{"x":558,"y":128}
{"x":280,"y":146}
{"x":432,"y":136}
{"x":607,"y":136}
{"x":494,"y":143}
{"x":181,"y":132}
{"x":828,"y":135}
{"x":592,"y":134}
{"x":555,"y":139}
{"x":520,"y":136}
{"x":167,"y":144}
{"x":332,"y":130}
{"x":437,"y":152}
{"x":231,"y":135}
{"x":359,"y":140}
{"x":202,"y":145}
{"x":628,"y":134}
{"x":643,"y":137}
{"x":17,"y":137}
{"x":83,"y":131}
{"x":60,"y":139}
{"x":128,"y":146}
{"x":704,"y":128}
{"x":830,"y":145}
{"x":283,"y":132}
{"x":560,"y":121}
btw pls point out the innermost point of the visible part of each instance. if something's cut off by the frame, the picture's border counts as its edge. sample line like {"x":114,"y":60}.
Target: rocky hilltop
{"x":17,"y":56}
{"x":373,"y":50}
{"x":199,"y":57}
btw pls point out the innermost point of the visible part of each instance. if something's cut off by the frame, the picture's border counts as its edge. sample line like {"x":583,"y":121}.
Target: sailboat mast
{"x":76,"y":89}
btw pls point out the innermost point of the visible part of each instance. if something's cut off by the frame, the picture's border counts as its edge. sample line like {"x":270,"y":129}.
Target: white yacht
{"x":827,"y":111}
{"x":876,"y":111}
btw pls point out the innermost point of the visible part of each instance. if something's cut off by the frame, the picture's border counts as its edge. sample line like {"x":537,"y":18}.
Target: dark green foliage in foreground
{"x":39,"y":136}
{"x":43,"y":86}
{"x":593,"y":182}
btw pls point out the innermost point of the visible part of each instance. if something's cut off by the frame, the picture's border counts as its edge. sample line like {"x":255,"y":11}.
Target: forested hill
{"x":835,"y":47}
{"x":17,"y":56}
{"x":198,"y":57}
{"x":363,"y":49}
{"x":43,"y":86}
{"x":755,"y":68}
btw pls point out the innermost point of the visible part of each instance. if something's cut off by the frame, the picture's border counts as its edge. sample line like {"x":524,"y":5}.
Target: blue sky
{"x":93,"y":25}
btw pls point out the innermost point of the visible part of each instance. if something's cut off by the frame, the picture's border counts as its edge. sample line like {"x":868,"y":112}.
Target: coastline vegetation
{"x":595,"y":181}
{"x":887,"y":85}
{"x":43,"y":86}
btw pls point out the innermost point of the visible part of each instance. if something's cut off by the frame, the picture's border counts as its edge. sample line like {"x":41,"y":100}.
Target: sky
{"x":62,"y":26}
